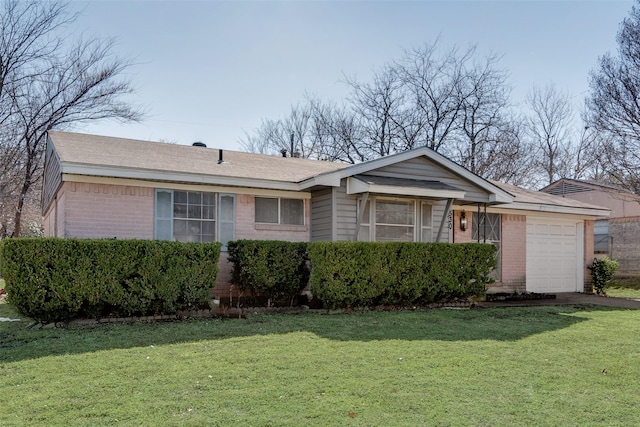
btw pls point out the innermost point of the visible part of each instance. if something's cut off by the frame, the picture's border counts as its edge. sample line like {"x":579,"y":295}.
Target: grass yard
{"x":484,"y":367}
{"x":625,"y":288}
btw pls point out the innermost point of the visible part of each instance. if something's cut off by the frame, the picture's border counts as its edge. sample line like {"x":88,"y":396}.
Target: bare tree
{"x":453,"y":102}
{"x":336,"y":133}
{"x":45,"y":84}
{"x":614,"y":104}
{"x":289,"y":133}
{"x":549,"y":128}
{"x":483,"y":117}
{"x":313,"y":129}
{"x":384,"y":115}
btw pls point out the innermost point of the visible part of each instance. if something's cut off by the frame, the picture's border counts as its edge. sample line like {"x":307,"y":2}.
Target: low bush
{"x":350,"y":274}
{"x":274,"y":269}
{"x":52,"y":280}
{"x":602,"y":271}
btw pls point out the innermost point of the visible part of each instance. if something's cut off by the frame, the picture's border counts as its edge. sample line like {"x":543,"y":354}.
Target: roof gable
{"x":422,"y":164}
{"x":570,"y":186}
{"x":545,"y":202}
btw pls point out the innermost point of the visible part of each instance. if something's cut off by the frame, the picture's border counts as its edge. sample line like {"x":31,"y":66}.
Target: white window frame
{"x":279,"y":199}
{"x":418,"y":227}
{"x":219,"y":221}
{"x":429,"y":227}
{"x":225,"y":222}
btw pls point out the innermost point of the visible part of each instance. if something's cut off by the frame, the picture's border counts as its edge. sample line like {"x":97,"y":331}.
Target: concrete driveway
{"x":569,"y":298}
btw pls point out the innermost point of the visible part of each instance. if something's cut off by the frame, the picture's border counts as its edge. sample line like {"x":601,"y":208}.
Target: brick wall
{"x":106,"y":211}
{"x":624,"y":234}
{"x":246,"y":228}
{"x":460,"y":236}
{"x":514,"y":253}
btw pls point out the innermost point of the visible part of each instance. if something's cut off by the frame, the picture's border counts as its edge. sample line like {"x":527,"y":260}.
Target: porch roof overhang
{"x":402,"y":187}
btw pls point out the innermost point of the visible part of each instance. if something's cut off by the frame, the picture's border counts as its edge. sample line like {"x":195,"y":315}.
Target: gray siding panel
{"x":421,"y":168}
{"x":437,"y":212}
{"x":346,"y":212}
{"x":321,"y":215}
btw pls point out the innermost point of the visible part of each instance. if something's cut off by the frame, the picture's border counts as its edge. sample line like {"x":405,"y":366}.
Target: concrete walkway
{"x":569,"y":298}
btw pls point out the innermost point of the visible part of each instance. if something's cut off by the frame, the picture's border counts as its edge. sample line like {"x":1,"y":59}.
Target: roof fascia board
{"x":154,"y":175}
{"x":186,"y":187}
{"x":535,"y":207}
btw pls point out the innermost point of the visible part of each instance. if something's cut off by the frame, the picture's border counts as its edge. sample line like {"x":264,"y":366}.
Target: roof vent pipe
{"x":284,"y":152}
{"x":199,"y":144}
{"x":220,"y":157}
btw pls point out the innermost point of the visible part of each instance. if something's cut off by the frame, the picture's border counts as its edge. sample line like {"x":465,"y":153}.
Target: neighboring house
{"x":97,"y":187}
{"x":617,"y":235}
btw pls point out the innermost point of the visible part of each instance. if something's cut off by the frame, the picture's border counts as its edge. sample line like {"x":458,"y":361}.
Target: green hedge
{"x":272,"y":268}
{"x":61,"y":279}
{"x":352,"y":274}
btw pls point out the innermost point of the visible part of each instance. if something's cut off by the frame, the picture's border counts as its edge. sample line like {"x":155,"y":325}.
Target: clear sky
{"x":209,"y":70}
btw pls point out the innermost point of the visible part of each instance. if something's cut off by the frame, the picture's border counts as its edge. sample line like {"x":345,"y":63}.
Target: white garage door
{"x":554,"y":255}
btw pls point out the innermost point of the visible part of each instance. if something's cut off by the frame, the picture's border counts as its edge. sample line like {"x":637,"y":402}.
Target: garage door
{"x":554,"y":255}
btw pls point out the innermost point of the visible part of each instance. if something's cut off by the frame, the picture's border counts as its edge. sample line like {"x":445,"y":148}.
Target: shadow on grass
{"x":500,"y":324}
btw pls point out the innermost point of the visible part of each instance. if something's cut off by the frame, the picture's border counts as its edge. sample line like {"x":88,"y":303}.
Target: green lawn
{"x":625,"y":288}
{"x":484,"y":367}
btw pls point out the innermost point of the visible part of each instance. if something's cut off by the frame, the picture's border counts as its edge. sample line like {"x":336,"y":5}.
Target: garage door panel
{"x":553,"y":255}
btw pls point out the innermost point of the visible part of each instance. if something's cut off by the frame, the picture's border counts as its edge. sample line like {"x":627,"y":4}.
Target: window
{"x":601,"y":236}
{"x":487,"y":228}
{"x":193,"y":216}
{"x":395,"y":220}
{"x":426,"y":223}
{"x":279,"y":211}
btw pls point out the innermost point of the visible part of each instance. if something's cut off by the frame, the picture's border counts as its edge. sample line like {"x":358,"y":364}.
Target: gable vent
{"x":568,"y":188}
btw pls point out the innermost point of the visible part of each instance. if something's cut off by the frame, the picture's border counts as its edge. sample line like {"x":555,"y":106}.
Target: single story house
{"x":617,"y":235}
{"x":104,"y":187}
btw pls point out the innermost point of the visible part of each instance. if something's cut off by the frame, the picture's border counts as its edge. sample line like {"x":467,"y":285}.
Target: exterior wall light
{"x":463,"y":221}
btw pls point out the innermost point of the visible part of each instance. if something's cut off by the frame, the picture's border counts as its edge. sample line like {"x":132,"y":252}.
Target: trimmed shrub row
{"x":274,"y":269}
{"x":350,"y":274}
{"x":54,"y":280}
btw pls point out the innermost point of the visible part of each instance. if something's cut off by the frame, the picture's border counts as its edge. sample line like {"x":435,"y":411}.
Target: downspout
{"x":444,"y":217}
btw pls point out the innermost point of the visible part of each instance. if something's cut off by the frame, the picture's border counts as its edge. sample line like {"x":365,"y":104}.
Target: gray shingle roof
{"x":104,"y":151}
{"x":530,"y":196}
